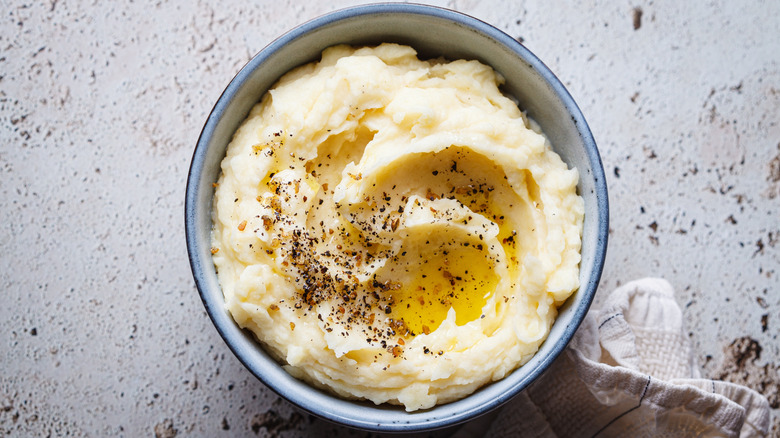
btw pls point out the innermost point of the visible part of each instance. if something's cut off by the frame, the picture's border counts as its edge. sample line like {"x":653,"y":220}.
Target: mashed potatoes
{"x":393,"y":229}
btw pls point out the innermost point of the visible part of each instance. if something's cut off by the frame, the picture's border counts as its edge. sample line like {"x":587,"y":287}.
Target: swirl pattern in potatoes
{"x":393,"y":229}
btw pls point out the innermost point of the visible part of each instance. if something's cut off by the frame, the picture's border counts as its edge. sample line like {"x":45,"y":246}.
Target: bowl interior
{"x":433,"y":32}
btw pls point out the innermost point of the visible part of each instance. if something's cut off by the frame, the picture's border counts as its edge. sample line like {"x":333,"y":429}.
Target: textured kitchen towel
{"x":629,"y":371}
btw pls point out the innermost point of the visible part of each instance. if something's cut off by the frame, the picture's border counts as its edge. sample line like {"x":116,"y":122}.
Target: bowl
{"x":433,"y":32}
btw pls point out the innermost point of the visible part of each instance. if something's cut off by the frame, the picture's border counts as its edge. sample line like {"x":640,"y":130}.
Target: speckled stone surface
{"x":102,"y":332}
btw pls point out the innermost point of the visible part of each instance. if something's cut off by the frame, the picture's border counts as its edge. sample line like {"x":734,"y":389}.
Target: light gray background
{"x":102,"y":331}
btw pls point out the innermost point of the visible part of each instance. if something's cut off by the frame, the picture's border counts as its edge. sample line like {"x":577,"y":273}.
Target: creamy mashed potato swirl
{"x":395,"y":230}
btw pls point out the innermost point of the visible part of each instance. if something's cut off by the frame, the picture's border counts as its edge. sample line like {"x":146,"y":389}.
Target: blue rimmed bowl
{"x":433,"y":32}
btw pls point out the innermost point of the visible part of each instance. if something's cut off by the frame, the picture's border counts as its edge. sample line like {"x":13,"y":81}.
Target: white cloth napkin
{"x":629,"y":371}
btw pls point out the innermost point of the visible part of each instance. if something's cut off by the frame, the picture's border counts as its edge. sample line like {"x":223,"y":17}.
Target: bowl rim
{"x":421,"y":421}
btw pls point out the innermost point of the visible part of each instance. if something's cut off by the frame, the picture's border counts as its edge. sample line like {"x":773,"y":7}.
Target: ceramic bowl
{"x":433,"y":32}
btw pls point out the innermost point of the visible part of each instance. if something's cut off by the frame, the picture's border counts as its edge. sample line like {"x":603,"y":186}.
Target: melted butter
{"x":365,"y":355}
{"x":457,"y":277}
